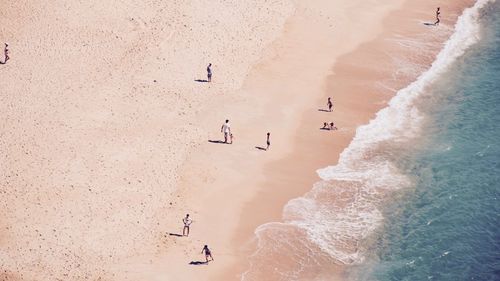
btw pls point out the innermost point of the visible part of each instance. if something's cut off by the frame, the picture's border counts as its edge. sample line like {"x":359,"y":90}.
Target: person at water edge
{"x":226,"y":129}
{"x":330,"y":104}
{"x":187,"y":222}
{"x":6,"y":54}
{"x":268,"y":141}
{"x":209,"y":72}
{"x":438,"y":16}
{"x":208,"y":253}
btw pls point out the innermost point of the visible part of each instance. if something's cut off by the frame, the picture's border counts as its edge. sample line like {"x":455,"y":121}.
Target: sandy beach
{"x":108,"y":139}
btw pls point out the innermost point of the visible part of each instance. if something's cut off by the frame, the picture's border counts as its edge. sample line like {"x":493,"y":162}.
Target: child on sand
{"x":208,"y":253}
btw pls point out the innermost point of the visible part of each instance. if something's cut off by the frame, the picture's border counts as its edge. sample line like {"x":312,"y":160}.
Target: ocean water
{"x":446,"y":224}
{"x":415,"y":195}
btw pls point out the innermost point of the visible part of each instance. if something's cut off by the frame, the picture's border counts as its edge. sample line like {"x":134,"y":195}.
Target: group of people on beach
{"x":228,"y":136}
{"x":187,"y":221}
{"x":6,"y":54}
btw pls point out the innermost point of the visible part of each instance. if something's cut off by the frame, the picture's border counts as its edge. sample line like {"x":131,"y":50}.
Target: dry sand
{"x":104,"y":133}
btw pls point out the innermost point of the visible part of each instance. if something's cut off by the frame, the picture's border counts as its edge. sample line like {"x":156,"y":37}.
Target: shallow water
{"x":446,"y":225}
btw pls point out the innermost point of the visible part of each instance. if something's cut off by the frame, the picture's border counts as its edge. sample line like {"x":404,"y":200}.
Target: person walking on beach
{"x":329,"y":104}
{"x":438,"y":16}
{"x":208,"y":253}
{"x":226,"y":129}
{"x":268,"y":141}
{"x":187,"y":222}
{"x":209,"y":72}
{"x":6,"y":54}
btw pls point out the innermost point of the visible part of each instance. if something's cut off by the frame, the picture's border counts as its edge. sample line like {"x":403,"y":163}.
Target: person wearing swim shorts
{"x":329,"y":104}
{"x":6,"y":54}
{"x":209,"y":72}
{"x":208,"y":253}
{"x":438,"y":16}
{"x":268,"y":141}
{"x":187,"y":222}
{"x":226,"y":129}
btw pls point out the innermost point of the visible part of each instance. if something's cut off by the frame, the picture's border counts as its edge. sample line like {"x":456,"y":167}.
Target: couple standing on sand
{"x":226,"y":129}
{"x":185,"y":232}
{"x":6,"y":54}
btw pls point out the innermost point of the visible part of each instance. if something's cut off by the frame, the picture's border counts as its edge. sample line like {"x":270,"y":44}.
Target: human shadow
{"x":201,"y":80}
{"x":326,"y":129}
{"x":429,"y":23}
{"x":175,"y":234}
{"x":260,"y":148}
{"x":216,"y":141}
{"x":324,"y":110}
{"x":198,"y":262}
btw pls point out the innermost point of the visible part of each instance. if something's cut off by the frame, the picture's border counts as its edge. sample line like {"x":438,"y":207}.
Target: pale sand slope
{"x":90,"y":145}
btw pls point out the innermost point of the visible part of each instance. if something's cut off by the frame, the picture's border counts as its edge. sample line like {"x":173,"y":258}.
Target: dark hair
{"x":227,"y":120}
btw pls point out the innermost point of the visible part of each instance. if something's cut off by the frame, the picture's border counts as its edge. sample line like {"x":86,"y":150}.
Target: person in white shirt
{"x":226,"y":129}
{"x":187,"y":222}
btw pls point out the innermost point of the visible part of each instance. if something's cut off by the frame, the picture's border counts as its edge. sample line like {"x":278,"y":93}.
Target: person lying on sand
{"x":208,"y":253}
{"x":332,"y":126}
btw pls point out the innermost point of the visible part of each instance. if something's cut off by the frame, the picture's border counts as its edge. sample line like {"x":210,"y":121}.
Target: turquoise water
{"x":446,"y":226}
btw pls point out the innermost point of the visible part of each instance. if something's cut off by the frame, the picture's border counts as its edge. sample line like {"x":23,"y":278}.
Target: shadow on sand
{"x":429,"y":23}
{"x":201,"y":80}
{"x":175,"y":234}
{"x":198,"y":262}
{"x":324,"y":110}
{"x":261,"y":148}
{"x":216,"y":141}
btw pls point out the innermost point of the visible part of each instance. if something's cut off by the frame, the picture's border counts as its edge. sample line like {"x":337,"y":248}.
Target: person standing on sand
{"x":268,"y":141}
{"x":207,"y":253}
{"x":438,"y":16}
{"x":209,"y":72}
{"x":187,"y":222}
{"x":6,"y":54}
{"x":226,"y":129}
{"x":330,"y":104}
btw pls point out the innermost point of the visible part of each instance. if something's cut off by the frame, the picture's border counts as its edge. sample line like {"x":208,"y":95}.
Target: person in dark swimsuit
{"x":207,"y":253}
{"x":330,"y":104}
{"x":268,"y":141}
{"x":209,"y":72}
{"x":6,"y":53}
{"x":438,"y":16}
